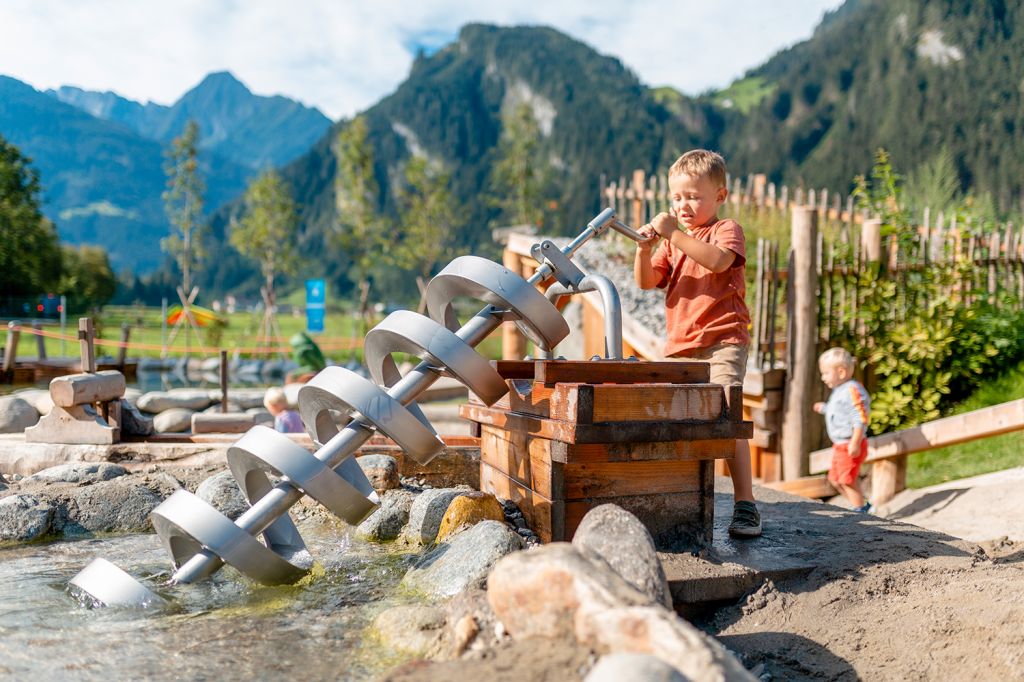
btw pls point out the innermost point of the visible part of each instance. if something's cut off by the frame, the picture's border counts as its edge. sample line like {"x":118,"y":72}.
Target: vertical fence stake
{"x":803,"y":274}
{"x":86,"y":349}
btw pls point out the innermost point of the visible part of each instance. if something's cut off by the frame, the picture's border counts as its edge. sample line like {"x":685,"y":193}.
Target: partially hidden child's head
{"x":697,"y":187}
{"x":275,"y":400}
{"x":836,"y":365}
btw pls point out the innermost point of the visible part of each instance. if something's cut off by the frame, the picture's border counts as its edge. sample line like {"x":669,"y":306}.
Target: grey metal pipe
{"x":609,"y":301}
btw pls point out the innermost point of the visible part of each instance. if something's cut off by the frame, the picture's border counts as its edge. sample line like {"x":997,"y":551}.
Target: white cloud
{"x":343,"y":56}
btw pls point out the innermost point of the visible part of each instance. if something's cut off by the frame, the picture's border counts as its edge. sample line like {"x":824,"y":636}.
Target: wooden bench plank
{"x":622,"y":372}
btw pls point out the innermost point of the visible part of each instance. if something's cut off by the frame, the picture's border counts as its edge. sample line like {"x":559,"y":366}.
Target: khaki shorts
{"x":728,"y":362}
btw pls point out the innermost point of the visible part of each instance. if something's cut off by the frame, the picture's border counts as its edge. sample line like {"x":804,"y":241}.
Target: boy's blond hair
{"x":837,"y":356}
{"x":275,"y":396}
{"x":701,"y":163}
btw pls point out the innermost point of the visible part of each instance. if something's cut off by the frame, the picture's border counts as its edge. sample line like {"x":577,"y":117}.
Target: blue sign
{"x":316,"y":294}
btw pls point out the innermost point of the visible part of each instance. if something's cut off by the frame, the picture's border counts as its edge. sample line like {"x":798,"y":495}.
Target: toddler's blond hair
{"x":837,"y":356}
{"x":275,"y":397}
{"x":701,"y":163}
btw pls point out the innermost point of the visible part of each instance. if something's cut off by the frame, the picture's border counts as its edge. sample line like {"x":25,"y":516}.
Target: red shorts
{"x":845,"y":467}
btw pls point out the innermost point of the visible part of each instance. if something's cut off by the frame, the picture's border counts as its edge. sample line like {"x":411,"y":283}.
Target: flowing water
{"x":225,"y":627}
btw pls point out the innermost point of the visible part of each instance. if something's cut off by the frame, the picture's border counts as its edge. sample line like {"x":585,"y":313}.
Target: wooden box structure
{"x":572,"y":435}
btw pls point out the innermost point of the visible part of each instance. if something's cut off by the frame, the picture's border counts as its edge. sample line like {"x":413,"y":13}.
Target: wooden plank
{"x":524,"y":459}
{"x":769,"y":420}
{"x":815,"y":487}
{"x":961,"y":428}
{"x":615,"y":479}
{"x":622,"y":372}
{"x":628,"y":452}
{"x":756,"y":382}
{"x":769,"y":400}
{"x":599,"y":403}
{"x":888,"y":477}
{"x":514,"y":369}
{"x":546,"y":517}
{"x":607,"y":432}
{"x":764,"y":439}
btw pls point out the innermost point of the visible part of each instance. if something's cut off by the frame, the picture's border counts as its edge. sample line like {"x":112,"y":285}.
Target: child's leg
{"x":852,"y":493}
{"x":739,"y":468}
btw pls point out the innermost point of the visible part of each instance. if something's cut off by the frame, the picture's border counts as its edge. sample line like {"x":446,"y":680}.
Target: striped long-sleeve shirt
{"x":847,"y":408}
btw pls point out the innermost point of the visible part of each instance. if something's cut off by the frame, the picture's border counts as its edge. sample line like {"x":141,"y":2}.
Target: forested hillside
{"x":913,"y":77}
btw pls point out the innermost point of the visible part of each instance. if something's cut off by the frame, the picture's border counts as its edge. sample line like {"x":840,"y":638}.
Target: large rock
{"x":468,"y":510}
{"x":382,"y":470}
{"x":133,"y":422}
{"x":426,"y":513}
{"x":119,"y":505}
{"x":659,"y":632}
{"x":38,"y":398}
{"x":626,"y":667}
{"x":174,"y":420}
{"x":537,"y":593}
{"x":556,"y":592}
{"x":464,"y":561}
{"x":78,"y":472}
{"x":16,"y":414}
{"x":156,"y":402}
{"x":245,"y":398}
{"x":388,"y":520}
{"x":222,"y":491}
{"x":612,"y":534}
{"x":24,"y":517}
{"x":415,"y":630}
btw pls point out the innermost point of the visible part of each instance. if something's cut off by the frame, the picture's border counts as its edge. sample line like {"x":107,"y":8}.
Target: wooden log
{"x":960,"y":428}
{"x":622,"y":372}
{"x":85,"y":342}
{"x":84,"y":389}
{"x":608,"y":432}
{"x":815,"y":487}
{"x":11,"y":347}
{"x":222,"y":422}
{"x":796,"y":436}
{"x":888,"y":477}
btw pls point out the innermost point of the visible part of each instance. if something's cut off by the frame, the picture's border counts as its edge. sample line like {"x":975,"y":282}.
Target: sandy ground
{"x":894,"y":602}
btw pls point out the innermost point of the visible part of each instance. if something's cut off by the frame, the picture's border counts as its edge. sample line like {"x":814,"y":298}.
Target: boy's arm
{"x":855,"y":438}
{"x":643,"y":270}
{"x":714,"y":258}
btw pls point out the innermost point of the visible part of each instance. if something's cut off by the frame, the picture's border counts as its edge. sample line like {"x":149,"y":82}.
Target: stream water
{"x":225,"y":627}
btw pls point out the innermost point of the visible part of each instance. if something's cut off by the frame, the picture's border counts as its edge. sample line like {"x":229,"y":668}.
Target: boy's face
{"x":695,"y":199}
{"x":833,"y":374}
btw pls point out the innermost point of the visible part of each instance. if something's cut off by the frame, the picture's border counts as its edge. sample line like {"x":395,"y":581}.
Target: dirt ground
{"x":885,"y":601}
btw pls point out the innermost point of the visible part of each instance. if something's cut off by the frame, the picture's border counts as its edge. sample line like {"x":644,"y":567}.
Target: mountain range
{"x":913,"y":77}
{"x":101,"y":156}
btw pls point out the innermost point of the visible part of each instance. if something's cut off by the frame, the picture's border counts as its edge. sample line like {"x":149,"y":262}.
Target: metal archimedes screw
{"x":341,"y":410}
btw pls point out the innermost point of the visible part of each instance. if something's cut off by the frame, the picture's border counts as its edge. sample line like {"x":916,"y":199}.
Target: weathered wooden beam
{"x":961,"y":428}
{"x":622,"y":372}
{"x":84,"y":389}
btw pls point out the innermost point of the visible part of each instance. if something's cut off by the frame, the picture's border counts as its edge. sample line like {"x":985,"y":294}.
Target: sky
{"x":342,"y":56}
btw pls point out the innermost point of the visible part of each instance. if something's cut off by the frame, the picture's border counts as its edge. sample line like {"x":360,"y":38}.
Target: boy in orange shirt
{"x":700,"y":266}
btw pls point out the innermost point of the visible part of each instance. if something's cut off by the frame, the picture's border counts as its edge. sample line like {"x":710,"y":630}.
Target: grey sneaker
{"x":746,"y":521}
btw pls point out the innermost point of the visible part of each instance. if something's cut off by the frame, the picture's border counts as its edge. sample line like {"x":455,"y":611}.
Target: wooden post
{"x":11,"y":348}
{"x":513,"y":342}
{"x":122,"y":350}
{"x":801,"y":375}
{"x":639,"y":188}
{"x":871,"y":240}
{"x":223,"y":380}
{"x":40,"y":341}
{"x":88,"y":352}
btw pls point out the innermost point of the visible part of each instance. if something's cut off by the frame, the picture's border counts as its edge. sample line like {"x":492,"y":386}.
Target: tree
{"x":518,"y":178}
{"x":429,"y":219}
{"x":30,"y":259}
{"x":184,"y":203}
{"x":356,"y":197}
{"x":88,"y":281}
{"x":266,"y":234}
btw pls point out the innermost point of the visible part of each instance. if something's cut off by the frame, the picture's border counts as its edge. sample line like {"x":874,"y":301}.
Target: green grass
{"x":240,"y":333}
{"x":979,"y":456}
{"x":745,"y":94}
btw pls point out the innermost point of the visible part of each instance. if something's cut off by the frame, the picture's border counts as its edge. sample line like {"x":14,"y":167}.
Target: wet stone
{"x":24,"y":517}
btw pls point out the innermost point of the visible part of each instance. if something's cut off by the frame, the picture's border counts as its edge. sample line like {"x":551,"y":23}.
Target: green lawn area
{"x":979,"y":456}
{"x":147,"y":333}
